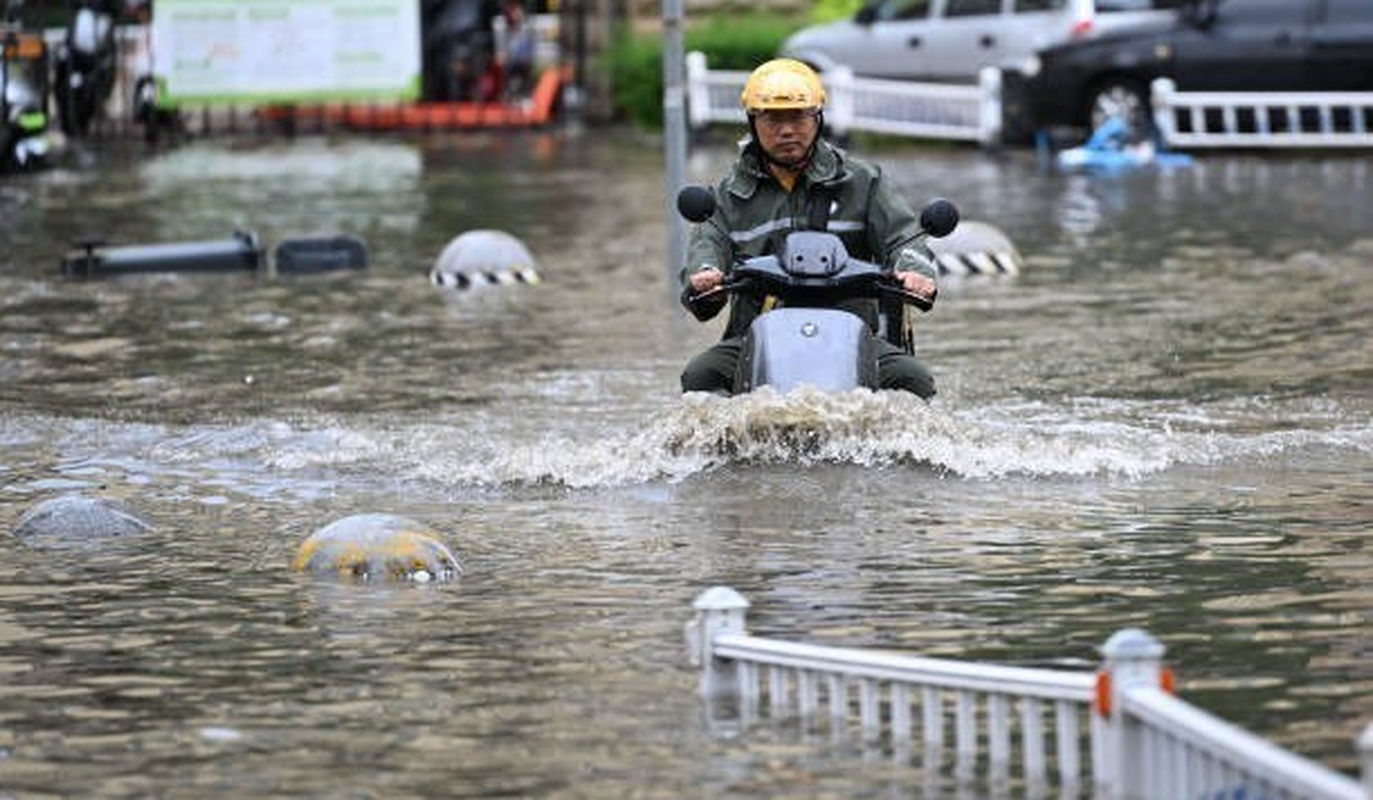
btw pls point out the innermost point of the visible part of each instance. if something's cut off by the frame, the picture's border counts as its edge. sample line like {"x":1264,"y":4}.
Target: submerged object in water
{"x":1110,"y":148}
{"x":77,"y":518}
{"x":484,"y":257}
{"x":313,"y":255}
{"x":377,"y":547}
{"x":240,"y":252}
{"x":976,"y":248}
{"x":91,"y":257}
{"x":1129,"y":158}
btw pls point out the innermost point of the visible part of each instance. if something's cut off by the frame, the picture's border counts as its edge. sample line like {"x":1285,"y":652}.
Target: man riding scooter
{"x":789,"y":178}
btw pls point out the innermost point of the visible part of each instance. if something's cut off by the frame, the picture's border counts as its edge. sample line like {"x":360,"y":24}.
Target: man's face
{"x":787,"y":134}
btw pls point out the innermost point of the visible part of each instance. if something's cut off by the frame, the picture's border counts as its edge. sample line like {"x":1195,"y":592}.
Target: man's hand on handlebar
{"x":916,"y":284}
{"x":703,"y":295}
{"x":705,"y":280}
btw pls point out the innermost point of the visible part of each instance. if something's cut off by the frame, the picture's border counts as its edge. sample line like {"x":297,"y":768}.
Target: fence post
{"x":839,"y":111}
{"x":718,"y":610}
{"x":697,"y":92}
{"x":989,"y":111}
{"x":1365,"y":747}
{"x":1133,"y":658}
{"x":1161,"y":93}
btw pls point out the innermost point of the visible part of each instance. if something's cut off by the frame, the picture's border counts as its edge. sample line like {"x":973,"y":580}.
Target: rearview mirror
{"x":939,"y":217}
{"x":695,"y":203}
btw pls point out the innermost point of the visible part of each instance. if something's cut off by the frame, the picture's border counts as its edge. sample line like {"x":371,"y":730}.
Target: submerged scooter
{"x":804,"y":340}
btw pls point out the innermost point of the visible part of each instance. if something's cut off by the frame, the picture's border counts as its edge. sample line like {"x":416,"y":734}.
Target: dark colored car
{"x":1209,"y":45}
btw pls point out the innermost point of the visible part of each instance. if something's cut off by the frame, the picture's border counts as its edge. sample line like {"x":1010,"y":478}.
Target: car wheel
{"x":1123,"y":99}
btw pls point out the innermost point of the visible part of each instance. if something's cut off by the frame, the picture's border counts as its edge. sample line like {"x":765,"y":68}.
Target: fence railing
{"x":973,"y":112}
{"x":1262,"y":119}
{"x":902,"y":108}
{"x":1119,"y":731}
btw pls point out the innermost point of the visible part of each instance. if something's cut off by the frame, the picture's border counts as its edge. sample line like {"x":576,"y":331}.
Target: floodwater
{"x":1166,"y":421}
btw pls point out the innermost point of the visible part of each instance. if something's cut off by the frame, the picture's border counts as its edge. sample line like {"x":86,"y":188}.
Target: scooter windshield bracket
{"x":813,"y":254}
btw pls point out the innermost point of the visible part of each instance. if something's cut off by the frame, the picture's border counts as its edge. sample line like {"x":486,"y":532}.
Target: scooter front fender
{"x":824,"y":348}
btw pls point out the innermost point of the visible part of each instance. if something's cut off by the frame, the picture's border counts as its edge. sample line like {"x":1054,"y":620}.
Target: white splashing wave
{"x":703,"y":432}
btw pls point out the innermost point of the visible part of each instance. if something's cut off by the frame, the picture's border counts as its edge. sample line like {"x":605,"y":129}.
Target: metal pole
{"x":674,"y":132}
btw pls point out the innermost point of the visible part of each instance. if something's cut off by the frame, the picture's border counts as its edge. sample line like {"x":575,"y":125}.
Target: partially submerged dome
{"x":377,"y":547}
{"x":481,"y":258}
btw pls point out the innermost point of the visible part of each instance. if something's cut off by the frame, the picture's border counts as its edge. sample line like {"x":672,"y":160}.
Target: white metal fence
{"x":968,"y":112}
{"x":1119,"y":732}
{"x":902,"y":108}
{"x":1262,"y":119}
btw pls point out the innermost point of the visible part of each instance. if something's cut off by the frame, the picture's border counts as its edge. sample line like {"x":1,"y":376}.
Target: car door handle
{"x":987,"y":40}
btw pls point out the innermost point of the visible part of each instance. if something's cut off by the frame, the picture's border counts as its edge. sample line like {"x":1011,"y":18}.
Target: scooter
{"x":23,"y":96}
{"x":85,"y":68}
{"x":804,"y":341}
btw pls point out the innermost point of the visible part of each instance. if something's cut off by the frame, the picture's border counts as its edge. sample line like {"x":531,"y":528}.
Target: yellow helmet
{"x":782,"y":83}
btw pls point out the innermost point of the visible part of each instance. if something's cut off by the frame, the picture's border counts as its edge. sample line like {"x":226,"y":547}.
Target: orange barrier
{"x":24,"y":47}
{"x":539,"y":110}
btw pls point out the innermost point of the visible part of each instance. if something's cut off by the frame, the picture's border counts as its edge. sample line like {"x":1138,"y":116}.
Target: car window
{"x":902,"y":9}
{"x":1136,"y":5}
{"x":1339,"y":11}
{"x":972,"y":8}
{"x":1022,"y":6}
{"x":1262,"y":12}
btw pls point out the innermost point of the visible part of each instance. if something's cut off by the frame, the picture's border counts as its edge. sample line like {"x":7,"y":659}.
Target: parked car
{"x":952,"y":40}
{"x":1207,"y":45}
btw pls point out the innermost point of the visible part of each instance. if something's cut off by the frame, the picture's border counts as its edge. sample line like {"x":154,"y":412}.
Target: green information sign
{"x":208,"y":51}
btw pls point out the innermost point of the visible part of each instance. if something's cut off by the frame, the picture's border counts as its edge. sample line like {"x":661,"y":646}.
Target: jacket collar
{"x":826,"y":166}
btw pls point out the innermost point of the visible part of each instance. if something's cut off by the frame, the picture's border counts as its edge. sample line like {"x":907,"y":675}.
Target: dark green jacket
{"x":754,"y":214}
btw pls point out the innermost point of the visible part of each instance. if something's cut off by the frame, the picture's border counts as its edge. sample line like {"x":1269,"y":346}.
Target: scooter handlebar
{"x":892,"y":288}
{"x":705,"y":305}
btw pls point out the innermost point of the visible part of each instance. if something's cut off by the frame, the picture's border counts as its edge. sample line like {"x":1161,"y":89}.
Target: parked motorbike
{"x":23,"y":97}
{"x":804,"y":340}
{"x":459,"y":50}
{"x":85,"y":66}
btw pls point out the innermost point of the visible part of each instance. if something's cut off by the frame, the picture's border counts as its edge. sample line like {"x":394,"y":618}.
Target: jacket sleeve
{"x":707,"y":247}
{"x":897,"y":233}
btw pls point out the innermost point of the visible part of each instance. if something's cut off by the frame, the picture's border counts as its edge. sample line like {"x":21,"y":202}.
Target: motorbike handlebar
{"x":899,"y":292}
{"x":707,"y":303}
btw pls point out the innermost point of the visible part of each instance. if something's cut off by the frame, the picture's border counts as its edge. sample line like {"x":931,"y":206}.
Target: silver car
{"x":951,"y":40}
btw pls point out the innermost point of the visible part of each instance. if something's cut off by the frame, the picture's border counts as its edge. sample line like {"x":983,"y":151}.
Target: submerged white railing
{"x":902,"y":108}
{"x":1141,"y":743}
{"x":1262,"y":119}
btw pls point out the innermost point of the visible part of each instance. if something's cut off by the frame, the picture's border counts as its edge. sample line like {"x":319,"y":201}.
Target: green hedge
{"x":831,"y":10}
{"x":635,"y":63}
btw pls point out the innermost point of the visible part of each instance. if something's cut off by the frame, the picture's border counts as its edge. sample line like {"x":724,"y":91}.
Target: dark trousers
{"x":713,"y":369}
